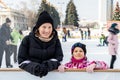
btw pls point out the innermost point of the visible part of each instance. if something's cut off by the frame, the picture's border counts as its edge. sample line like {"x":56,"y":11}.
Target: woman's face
{"x":45,"y":30}
{"x":78,"y":53}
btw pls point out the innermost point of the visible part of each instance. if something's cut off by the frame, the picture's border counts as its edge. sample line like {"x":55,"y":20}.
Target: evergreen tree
{"x":116,"y":15}
{"x":55,"y":15}
{"x":51,"y":10}
{"x":43,"y":6}
{"x":71,"y":14}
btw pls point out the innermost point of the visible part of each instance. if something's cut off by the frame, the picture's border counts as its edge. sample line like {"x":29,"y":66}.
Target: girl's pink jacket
{"x":83,"y":63}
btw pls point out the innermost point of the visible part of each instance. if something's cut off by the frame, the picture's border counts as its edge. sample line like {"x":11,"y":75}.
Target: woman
{"x":113,"y":43}
{"x":40,"y":51}
{"x":64,"y":35}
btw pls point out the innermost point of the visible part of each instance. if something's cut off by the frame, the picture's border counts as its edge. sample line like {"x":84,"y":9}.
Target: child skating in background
{"x":113,"y":43}
{"x":79,"y":60}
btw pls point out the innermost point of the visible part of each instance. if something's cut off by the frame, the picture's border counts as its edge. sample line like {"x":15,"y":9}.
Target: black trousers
{"x":13,"y":50}
{"x":113,"y":59}
{"x":4,"y":47}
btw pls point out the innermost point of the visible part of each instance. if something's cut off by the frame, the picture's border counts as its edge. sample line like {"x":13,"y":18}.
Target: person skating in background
{"x":89,"y":33}
{"x":113,"y":43}
{"x":64,"y":35}
{"x":85,"y":34}
{"x":81,"y":32}
{"x":102,"y":38}
{"x":68,"y":33}
{"x":79,"y":60}
{"x":16,"y":36}
{"x":105,"y":42}
{"x":5,"y":31}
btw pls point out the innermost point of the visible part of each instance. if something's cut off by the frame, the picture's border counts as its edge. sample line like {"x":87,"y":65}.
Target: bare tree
{"x":29,"y":13}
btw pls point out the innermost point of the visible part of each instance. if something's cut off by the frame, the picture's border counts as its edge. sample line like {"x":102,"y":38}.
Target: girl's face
{"x":45,"y":30}
{"x":78,"y":53}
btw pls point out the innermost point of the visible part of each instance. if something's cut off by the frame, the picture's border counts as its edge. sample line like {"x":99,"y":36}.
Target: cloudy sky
{"x":86,"y":9}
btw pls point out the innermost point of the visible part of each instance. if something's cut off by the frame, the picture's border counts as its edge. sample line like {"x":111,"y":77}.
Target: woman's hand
{"x":90,"y":68}
{"x":61,"y":68}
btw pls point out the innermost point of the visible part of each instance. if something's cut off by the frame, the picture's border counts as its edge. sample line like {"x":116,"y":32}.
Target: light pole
{"x":61,"y":15}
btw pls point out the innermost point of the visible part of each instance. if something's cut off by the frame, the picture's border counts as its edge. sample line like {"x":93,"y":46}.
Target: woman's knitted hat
{"x":44,"y":17}
{"x":78,"y":44}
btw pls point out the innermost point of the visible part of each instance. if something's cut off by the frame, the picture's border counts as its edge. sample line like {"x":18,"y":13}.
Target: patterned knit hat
{"x":78,"y":44}
{"x":44,"y":17}
{"x":113,"y":25}
{"x":112,"y":29}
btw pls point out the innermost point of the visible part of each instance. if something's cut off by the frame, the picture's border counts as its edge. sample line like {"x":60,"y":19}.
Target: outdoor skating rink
{"x":93,"y":52}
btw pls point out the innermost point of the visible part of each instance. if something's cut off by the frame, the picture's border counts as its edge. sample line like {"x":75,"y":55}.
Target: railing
{"x":69,"y":74}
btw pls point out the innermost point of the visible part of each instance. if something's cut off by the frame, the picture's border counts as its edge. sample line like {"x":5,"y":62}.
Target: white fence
{"x":71,"y":74}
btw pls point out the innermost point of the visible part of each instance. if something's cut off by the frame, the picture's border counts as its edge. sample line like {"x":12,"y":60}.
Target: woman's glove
{"x":43,"y":70}
{"x":51,"y":65}
{"x":35,"y":68}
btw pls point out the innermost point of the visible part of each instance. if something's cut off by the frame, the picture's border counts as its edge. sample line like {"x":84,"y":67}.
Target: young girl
{"x":113,"y":43}
{"x":79,"y":60}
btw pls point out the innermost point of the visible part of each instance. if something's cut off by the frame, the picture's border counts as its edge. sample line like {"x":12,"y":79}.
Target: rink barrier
{"x":67,"y":70}
{"x":69,"y":74}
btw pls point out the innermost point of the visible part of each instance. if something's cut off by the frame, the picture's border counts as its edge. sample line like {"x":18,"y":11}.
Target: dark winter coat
{"x":39,"y":54}
{"x":4,"y":34}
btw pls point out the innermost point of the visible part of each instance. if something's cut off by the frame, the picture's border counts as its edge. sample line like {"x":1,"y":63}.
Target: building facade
{"x":18,"y":19}
{"x":109,"y":10}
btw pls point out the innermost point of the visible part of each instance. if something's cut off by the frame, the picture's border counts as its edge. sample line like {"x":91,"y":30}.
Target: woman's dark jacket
{"x":38,"y":57}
